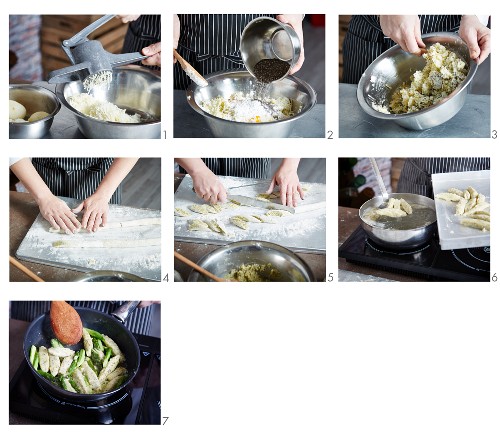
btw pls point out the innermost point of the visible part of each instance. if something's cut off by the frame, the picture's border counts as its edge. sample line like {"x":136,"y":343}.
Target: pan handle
{"x":122,"y":312}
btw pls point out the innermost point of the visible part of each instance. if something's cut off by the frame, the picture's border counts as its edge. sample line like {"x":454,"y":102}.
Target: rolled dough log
{"x":144,"y":242}
{"x":148,"y":221}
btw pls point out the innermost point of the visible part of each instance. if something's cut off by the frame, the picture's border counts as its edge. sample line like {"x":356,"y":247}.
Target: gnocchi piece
{"x":484,"y":217}
{"x":456,"y":191}
{"x":202,"y":209}
{"x":406,"y":207}
{"x":390,"y":203}
{"x":479,"y":207}
{"x":87,"y":342}
{"x":16,"y":110}
{"x":61,"y":351}
{"x":112,"y":364}
{"x":450,"y":197}
{"x":80,"y":382}
{"x":179,"y":212}
{"x":43,"y":356}
{"x":197,"y":225}
{"x":470,"y":204}
{"x":460,"y":208}
{"x":37,"y":116}
{"x":216,"y":226}
{"x":473,"y":193}
{"x":108,"y":342}
{"x":91,"y":376}
{"x":240,"y":222}
{"x":390,"y":212}
{"x":466,"y":195}
{"x":54,"y":364}
{"x":476,"y":224}
{"x":278,"y":213}
{"x":65,"y":364}
{"x":218,"y":207}
{"x":265,"y":219}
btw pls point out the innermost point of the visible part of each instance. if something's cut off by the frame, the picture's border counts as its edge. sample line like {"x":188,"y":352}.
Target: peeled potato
{"x":16,"y":110}
{"x":37,"y":116}
{"x":18,"y":120}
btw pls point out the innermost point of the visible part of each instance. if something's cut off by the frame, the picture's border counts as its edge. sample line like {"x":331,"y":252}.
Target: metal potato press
{"x":89,"y":58}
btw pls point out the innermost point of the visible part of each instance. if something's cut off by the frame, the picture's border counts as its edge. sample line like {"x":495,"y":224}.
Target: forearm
{"x":118,"y":170}
{"x":29,"y":177}
{"x":191,"y":165}
{"x":290,"y":163}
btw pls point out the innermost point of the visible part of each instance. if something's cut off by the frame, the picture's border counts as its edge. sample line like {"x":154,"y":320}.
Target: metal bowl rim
{"x":60,"y":88}
{"x":462,"y":86}
{"x":190,"y":91}
{"x":115,"y":273}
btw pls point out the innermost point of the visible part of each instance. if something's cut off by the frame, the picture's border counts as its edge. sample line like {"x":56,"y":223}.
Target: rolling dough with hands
{"x":148,"y":221}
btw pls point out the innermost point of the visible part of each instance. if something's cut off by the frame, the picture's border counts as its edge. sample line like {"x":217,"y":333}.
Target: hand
{"x":147,"y":303}
{"x":476,"y":36}
{"x":96,"y":211}
{"x":177,"y":33}
{"x":58,"y":214}
{"x":288,"y":180}
{"x":295,"y":21}
{"x":208,"y":186}
{"x":404,"y":30}
{"x":127,"y":18}
{"x":154,"y":55}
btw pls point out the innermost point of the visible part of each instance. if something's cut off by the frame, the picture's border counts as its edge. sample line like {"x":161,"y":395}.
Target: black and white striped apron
{"x":210,"y":43}
{"x":255,"y":168}
{"x":75,"y":177}
{"x":142,"y":33}
{"x":365,"y":41}
{"x":138,"y":322}
{"x":416,"y":173}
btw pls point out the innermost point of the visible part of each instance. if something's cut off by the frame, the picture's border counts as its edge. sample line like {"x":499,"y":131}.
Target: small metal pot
{"x":267,"y":38}
{"x":35,"y":99}
{"x":395,"y":238}
{"x":222,"y":260}
{"x":40,"y":333}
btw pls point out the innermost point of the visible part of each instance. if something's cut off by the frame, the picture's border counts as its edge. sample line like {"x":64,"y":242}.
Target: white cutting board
{"x":144,"y":262}
{"x":452,"y":235}
{"x":303,"y":231}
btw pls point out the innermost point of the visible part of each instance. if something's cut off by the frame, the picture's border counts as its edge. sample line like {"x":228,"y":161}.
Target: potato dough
{"x":37,"y":116}
{"x":16,"y":110}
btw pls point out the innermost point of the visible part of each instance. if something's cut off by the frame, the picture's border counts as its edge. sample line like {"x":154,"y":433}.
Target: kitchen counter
{"x":188,"y":123}
{"x":23,"y":212}
{"x":194,"y":251}
{"x":348,"y":222}
{"x":473,"y":120}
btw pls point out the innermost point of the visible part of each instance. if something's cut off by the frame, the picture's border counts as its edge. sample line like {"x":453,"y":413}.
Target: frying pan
{"x":399,"y":239}
{"x":40,"y":333}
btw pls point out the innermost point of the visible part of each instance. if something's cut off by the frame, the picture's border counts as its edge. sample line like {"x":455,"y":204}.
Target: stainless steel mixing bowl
{"x":109,"y":276}
{"x":221,"y":261}
{"x":35,"y":99}
{"x":133,"y":88}
{"x":226,"y":83}
{"x":395,"y":238}
{"x":395,"y":67}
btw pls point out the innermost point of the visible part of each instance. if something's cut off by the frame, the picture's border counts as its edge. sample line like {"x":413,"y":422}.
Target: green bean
{"x":55,"y":343}
{"x":91,"y":365}
{"x":98,"y":345}
{"x":36,"y":360}
{"x":73,"y":365}
{"x":32,"y":354}
{"x":95,"y":334}
{"x":74,"y":385}
{"x":47,"y":376}
{"x":81,"y":357}
{"x":107,"y":355}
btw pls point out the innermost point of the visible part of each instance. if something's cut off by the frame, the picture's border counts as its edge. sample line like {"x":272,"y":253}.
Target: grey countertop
{"x":472,"y":121}
{"x":188,"y":123}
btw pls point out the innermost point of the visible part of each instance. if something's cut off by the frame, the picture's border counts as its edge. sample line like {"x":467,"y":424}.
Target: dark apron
{"x":141,"y":33}
{"x":238,"y":167}
{"x":210,"y":43}
{"x":365,"y":41}
{"x":416,"y":173}
{"x":77,"y":178}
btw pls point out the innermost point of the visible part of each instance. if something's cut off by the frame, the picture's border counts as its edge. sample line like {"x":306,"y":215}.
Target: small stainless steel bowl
{"x":395,"y":238}
{"x":222,"y":260}
{"x":133,"y":88}
{"x":35,"y":99}
{"x":395,"y":67}
{"x":226,"y":83}
{"x":109,"y":276}
{"x":267,"y":38}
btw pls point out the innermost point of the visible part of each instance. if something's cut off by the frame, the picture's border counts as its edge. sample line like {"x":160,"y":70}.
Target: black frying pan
{"x":40,"y":333}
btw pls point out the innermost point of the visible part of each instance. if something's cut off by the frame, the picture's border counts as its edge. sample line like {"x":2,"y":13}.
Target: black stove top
{"x":428,"y":261}
{"x":139,"y":405}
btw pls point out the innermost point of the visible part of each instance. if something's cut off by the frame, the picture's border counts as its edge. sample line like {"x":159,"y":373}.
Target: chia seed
{"x":269,"y":70}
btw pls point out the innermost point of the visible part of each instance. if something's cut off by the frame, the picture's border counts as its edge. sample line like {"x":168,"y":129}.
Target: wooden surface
{"x":348,"y":222}
{"x":194,"y":251}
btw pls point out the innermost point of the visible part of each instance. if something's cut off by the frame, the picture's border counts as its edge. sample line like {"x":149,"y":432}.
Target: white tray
{"x":452,"y":235}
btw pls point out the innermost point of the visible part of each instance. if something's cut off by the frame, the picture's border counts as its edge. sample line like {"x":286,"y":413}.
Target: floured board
{"x":145,"y":262}
{"x":452,"y":235}
{"x":304,"y":231}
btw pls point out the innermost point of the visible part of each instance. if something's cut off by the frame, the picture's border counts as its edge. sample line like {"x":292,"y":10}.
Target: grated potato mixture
{"x":442,"y":74}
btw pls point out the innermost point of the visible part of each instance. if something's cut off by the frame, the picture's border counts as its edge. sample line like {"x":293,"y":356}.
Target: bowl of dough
{"x":234,"y":106}
{"x":256,"y":261}
{"x":129,"y":107}
{"x":419,"y":92}
{"x":31,"y":111}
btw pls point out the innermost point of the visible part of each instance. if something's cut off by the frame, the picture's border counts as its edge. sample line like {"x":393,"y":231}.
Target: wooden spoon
{"x":191,"y":71}
{"x":199,"y":268}
{"x":24,"y":269}
{"x":66,"y":322}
